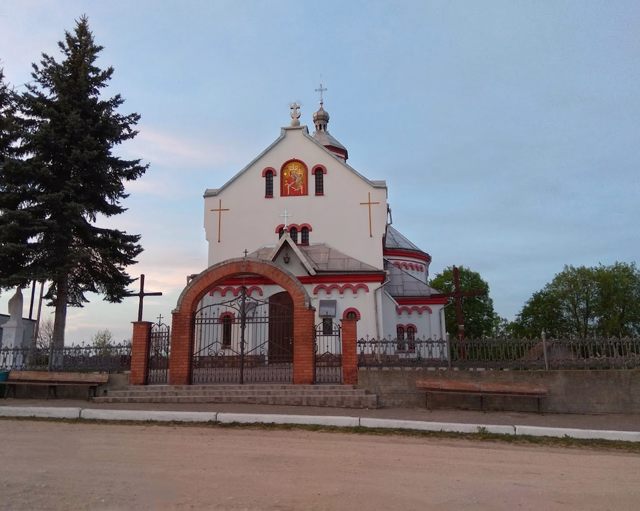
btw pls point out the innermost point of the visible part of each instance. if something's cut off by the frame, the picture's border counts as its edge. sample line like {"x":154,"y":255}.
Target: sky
{"x":508,"y":131}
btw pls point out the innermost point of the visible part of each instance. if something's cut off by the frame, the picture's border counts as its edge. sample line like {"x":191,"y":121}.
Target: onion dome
{"x":321,"y":120}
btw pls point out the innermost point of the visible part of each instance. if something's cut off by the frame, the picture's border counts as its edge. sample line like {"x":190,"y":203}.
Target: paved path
{"x":49,"y":465}
{"x":630,"y":422}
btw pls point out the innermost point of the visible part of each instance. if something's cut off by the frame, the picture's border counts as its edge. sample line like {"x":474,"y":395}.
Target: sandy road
{"x":52,"y":465}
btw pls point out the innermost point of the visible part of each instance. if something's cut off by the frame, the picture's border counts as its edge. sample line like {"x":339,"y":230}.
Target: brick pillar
{"x":181,"y":348}
{"x":304,"y":355}
{"x":140,"y":352}
{"x":349,"y":351}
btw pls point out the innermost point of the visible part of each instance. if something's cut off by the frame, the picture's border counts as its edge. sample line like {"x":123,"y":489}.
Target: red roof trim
{"x":401,"y":252}
{"x":421,"y":300}
{"x":307,"y":279}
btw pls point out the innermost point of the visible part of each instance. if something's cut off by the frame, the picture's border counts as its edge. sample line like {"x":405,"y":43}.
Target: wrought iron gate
{"x":159,"y":347}
{"x":244,"y":340}
{"x":328,"y":352}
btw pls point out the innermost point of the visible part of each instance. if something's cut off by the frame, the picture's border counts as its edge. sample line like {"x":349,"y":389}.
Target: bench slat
{"x":57,"y":377}
{"x":470,"y":387}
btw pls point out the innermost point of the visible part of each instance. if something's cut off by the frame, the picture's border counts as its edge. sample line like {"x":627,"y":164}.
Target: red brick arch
{"x":182,"y":331}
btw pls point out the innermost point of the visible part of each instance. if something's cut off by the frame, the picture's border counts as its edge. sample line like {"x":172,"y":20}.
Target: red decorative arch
{"x":341,"y":288}
{"x":351,"y":309}
{"x":264,"y":172}
{"x":281,"y":226}
{"x":301,"y":226}
{"x":319,"y":167}
{"x":227,"y":314}
{"x":410,"y":309}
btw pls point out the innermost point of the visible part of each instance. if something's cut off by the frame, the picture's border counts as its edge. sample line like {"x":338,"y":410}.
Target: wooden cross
{"x":458,"y":294}
{"x":141,"y":296}
{"x":219,"y":210}
{"x":369,"y":204}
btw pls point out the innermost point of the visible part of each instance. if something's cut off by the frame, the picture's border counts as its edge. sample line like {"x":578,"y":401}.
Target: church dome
{"x":322,"y":135}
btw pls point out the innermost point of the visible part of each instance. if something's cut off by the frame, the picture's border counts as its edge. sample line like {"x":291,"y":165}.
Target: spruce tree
{"x":15,"y":217}
{"x":70,"y":179}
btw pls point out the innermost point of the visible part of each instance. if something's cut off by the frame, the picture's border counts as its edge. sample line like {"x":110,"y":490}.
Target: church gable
{"x":299,"y":178}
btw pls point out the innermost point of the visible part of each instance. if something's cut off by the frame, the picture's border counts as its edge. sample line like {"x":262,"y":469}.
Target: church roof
{"x":394,"y":239}
{"x":324,"y":259}
{"x":403,"y":283}
{"x":327,"y":139}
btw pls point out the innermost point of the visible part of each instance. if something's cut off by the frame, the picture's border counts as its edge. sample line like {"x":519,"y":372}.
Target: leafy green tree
{"x":69,"y":179}
{"x":582,"y":302}
{"x":479,"y":316}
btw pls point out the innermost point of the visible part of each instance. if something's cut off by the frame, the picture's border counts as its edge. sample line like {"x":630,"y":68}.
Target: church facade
{"x":301,"y":206}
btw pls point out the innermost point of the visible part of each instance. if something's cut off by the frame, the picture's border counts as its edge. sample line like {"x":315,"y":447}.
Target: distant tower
{"x":322,"y":135}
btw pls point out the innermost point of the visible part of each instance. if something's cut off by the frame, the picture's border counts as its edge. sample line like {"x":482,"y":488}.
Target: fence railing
{"x":501,"y":353}
{"x":111,"y":358}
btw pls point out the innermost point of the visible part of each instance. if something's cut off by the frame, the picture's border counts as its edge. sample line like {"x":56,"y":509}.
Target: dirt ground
{"x":56,"y":465}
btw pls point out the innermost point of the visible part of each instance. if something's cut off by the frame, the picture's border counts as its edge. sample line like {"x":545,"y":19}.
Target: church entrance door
{"x":244,"y":340}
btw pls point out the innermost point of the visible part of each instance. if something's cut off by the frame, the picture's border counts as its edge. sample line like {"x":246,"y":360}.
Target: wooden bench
{"x":482,"y":389}
{"x":53,"y":380}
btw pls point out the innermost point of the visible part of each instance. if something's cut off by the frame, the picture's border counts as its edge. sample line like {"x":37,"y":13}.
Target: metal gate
{"x":328,"y":352}
{"x":159,"y":348}
{"x":244,"y":340}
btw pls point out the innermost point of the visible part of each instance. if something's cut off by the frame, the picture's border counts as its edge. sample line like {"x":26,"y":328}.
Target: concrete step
{"x":344,"y":396}
{"x":366,"y":401}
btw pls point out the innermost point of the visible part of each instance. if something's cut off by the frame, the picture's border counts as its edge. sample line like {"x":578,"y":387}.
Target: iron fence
{"x":110,"y":358}
{"x":501,"y":353}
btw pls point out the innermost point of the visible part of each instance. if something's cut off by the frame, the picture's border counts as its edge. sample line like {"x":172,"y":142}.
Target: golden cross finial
{"x":369,"y":204}
{"x":219,"y":210}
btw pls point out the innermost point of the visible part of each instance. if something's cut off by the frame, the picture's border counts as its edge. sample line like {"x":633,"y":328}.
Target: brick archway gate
{"x":183,"y":325}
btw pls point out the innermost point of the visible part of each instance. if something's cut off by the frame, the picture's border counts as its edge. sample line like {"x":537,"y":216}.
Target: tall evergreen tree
{"x":70,"y":178}
{"x":14,"y":214}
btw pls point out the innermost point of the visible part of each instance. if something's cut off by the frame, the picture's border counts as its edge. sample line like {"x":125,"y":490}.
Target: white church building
{"x":300,"y":205}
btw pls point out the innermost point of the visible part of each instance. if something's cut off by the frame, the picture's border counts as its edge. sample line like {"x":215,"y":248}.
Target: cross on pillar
{"x":457,"y":294}
{"x":369,"y":204}
{"x":219,"y":210}
{"x":141,"y":294}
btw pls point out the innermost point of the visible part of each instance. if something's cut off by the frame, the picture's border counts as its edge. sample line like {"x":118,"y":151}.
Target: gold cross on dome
{"x":219,"y":210}
{"x":369,"y":204}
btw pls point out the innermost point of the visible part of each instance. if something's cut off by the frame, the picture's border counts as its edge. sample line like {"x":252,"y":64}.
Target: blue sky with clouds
{"x":508,"y":131}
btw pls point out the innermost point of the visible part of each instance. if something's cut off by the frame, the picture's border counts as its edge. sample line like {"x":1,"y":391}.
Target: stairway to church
{"x":338,"y":396}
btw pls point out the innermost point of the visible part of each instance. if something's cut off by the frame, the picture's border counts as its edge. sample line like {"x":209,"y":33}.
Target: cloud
{"x":168,"y":150}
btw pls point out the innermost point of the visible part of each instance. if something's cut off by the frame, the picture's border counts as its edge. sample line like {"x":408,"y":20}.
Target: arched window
{"x":280,"y":232}
{"x":411,"y":337}
{"x":400,"y":337}
{"x":304,"y":236}
{"x":268,"y":184}
{"x":319,"y":182}
{"x":293,"y":233}
{"x":227,"y":321}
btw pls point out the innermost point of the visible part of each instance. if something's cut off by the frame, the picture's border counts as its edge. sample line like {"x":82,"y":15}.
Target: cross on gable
{"x":141,"y":294}
{"x":286,"y":215}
